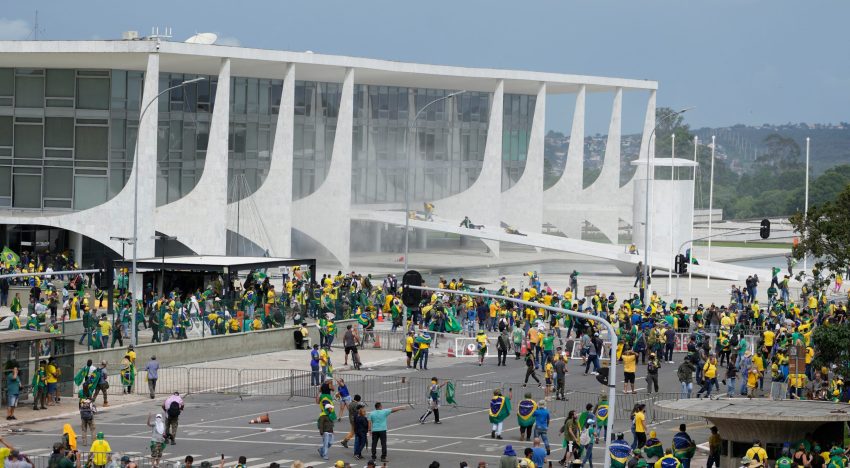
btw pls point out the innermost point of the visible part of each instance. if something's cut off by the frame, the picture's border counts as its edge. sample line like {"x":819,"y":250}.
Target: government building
{"x":284,"y":153}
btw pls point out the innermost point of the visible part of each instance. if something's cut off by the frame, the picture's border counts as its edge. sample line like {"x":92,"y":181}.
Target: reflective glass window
{"x":92,"y":93}
{"x":59,"y":132}
{"x":29,"y":141}
{"x":7,"y":81}
{"x":29,"y":91}
{"x":60,"y":83}
{"x":58,"y":182}
{"x":91,"y":143}
{"x":27,"y":191}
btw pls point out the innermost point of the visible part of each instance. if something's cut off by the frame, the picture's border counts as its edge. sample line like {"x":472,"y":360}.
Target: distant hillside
{"x":830,"y":143}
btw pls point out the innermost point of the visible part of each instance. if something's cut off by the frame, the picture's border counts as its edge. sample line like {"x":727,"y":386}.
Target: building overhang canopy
{"x":213,"y":263}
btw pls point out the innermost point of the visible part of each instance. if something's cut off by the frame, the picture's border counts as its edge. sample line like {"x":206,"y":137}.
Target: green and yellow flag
{"x":10,"y":258}
{"x":450,"y":393}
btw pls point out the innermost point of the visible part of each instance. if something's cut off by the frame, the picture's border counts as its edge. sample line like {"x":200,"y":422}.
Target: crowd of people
{"x":739,"y":345}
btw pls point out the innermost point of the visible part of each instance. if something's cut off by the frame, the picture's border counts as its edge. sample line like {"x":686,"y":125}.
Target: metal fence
{"x":43,"y":461}
{"x":392,"y":389}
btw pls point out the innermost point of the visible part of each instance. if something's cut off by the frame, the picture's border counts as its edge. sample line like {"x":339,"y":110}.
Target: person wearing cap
{"x":152,"y":370}
{"x":100,"y":450}
{"x":508,"y":458}
{"x":326,"y":430}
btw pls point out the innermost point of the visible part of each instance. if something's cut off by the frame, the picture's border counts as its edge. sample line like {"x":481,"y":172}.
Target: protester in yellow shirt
{"x":100,"y":450}
{"x":629,"y":369}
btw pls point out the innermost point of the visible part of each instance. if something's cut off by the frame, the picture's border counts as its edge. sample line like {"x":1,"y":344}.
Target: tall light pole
{"x":411,"y":147}
{"x":710,"y":210}
{"x":806,"y":206}
{"x":650,"y":173}
{"x":673,"y":179}
{"x":693,"y":208}
{"x":135,"y":238}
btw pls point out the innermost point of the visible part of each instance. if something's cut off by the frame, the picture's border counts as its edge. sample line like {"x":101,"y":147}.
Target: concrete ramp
{"x":615,"y":253}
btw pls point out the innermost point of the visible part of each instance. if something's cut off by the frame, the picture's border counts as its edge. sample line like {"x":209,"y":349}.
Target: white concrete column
{"x":325,"y":215}
{"x":377,"y":229}
{"x":207,"y":202}
{"x":147,"y":148}
{"x":608,"y":183}
{"x":568,"y":189}
{"x":76,"y":241}
{"x":274,"y":196}
{"x":522,"y":204}
{"x":487,"y":188}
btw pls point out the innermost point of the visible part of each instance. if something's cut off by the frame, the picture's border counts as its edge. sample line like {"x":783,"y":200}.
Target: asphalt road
{"x":215,"y":424}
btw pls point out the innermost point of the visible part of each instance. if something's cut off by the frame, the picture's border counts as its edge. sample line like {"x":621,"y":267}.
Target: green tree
{"x":782,"y":153}
{"x":825,"y":235}
{"x":832,"y":342}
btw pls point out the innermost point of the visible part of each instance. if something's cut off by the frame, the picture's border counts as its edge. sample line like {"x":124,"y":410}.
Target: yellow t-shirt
{"x":752,"y":378}
{"x":481,"y":339}
{"x":408,"y":344}
{"x":4,"y":453}
{"x":105,"y":327}
{"x":768,"y":338}
{"x":132,"y":355}
{"x":550,"y":369}
{"x":52,"y":374}
{"x":270,"y":297}
{"x":640,"y":422}
{"x":709,"y":370}
{"x":629,"y":362}
{"x":759,"y":362}
{"x":494,"y":309}
{"x":813,"y":303}
{"x":757,"y":453}
{"x":810,"y":354}
{"x":100,"y":449}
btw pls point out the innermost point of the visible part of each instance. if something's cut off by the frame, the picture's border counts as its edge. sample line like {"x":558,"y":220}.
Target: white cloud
{"x":228,"y":41}
{"x":14,"y":29}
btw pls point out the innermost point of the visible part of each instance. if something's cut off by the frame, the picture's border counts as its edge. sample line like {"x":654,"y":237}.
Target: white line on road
{"x":478,"y":375}
{"x":444,"y":446}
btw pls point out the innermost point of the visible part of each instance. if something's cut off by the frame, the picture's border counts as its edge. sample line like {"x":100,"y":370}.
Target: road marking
{"x":419,"y":424}
{"x":444,"y":446}
{"x":477,"y":391}
{"x":393,"y":382}
{"x":478,"y":375}
{"x":248,"y":416}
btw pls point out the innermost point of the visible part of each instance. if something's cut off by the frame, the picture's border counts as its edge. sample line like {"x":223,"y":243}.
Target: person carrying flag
{"x":422,"y":343}
{"x":128,"y":374}
{"x":653,"y":447}
{"x":601,"y":412}
{"x":619,"y":451}
{"x":500,"y":409}
{"x":433,"y":401}
{"x":684,"y":447}
{"x":525,"y":416}
{"x":482,"y":341}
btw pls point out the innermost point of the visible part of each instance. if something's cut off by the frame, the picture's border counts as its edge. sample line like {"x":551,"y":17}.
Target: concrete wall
{"x":194,"y":350}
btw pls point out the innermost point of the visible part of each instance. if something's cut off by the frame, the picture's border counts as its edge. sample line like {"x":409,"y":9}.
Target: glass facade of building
{"x":316,"y":112}
{"x":254,"y":109}
{"x":516,"y":132}
{"x":449,"y":148}
{"x":66,"y":136}
{"x":182,"y":134}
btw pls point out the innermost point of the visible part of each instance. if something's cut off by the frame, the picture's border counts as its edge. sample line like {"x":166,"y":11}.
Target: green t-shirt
{"x":549,"y":343}
{"x":378,"y":418}
{"x":13,"y":387}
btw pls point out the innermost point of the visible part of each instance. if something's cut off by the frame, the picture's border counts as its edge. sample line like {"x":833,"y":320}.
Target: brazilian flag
{"x":620,"y":452}
{"x":10,"y":258}
{"x":325,"y":399}
{"x":525,"y":413}
{"x":500,"y":408}
{"x":363,"y":318}
{"x":128,"y":375}
{"x":452,"y":324}
{"x":653,"y":448}
{"x":602,"y":413}
{"x":683,"y":448}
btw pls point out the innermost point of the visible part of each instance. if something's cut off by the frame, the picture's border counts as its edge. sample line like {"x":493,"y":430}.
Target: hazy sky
{"x":737,"y":61}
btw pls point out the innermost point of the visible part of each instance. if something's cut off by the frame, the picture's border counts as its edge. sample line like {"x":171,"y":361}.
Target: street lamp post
{"x":136,"y":199}
{"x":411,"y":146}
{"x":164,"y":238}
{"x":806,"y":207}
{"x":650,"y":172}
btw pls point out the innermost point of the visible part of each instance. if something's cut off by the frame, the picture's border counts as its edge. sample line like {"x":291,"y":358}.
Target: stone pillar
{"x":376,"y":236}
{"x":75,"y":240}
{"x":421,"y":239}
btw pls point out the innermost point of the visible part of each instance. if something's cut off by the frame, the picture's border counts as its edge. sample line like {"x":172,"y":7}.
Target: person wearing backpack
{"x":173,"y":406}
{"x":87,"y":412}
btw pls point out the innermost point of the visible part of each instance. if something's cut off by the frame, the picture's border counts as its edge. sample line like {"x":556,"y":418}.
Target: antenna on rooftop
{"x":156,"y":35}
{"x":36,"y":28}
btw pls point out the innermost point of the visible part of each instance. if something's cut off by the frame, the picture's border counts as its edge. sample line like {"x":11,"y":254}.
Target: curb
{"x":11,"y":425}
